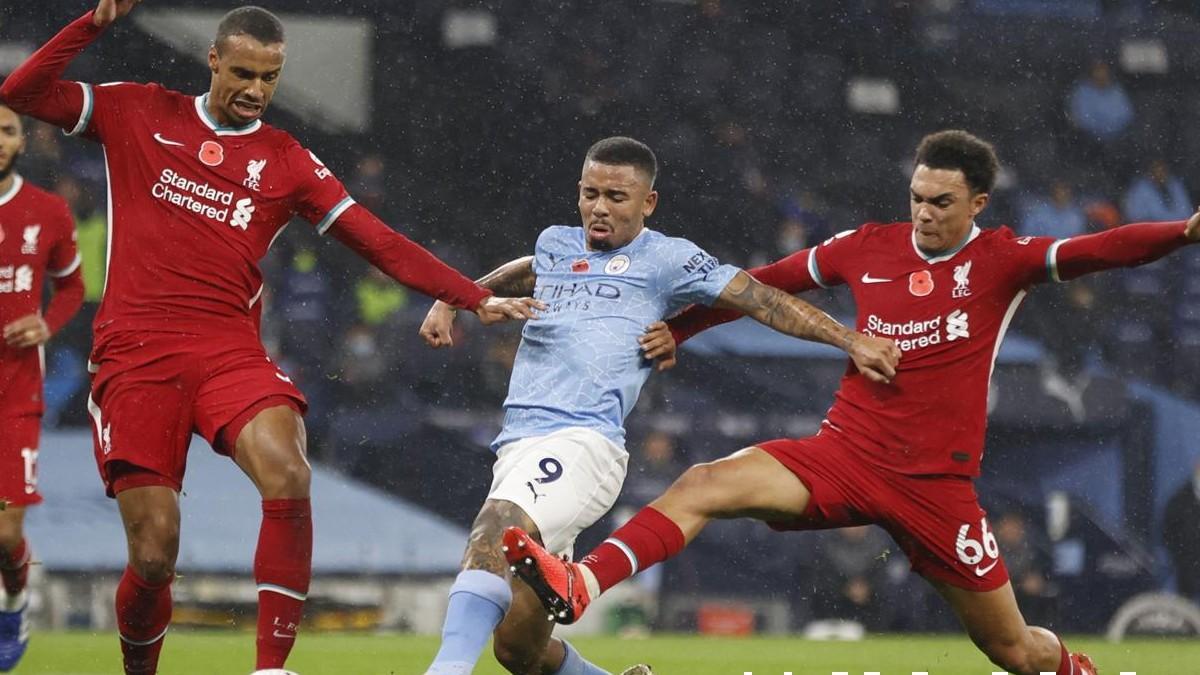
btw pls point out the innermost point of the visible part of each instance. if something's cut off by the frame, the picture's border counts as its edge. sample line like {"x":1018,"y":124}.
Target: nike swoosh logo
{"x":285,"y":378}
{"x":980,"y":571}
{"x":159,"y":137}
{"x":285,"y":636}
{"x":868,"y":279}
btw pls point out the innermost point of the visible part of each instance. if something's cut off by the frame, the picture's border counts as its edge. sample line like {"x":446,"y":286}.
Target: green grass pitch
{"x":210,"y":653}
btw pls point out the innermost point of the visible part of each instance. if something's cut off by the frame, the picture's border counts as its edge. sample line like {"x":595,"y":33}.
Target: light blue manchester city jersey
{"x":579,"y":363}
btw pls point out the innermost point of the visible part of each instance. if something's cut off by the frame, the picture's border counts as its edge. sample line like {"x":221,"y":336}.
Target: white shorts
{"x":565,"y":481}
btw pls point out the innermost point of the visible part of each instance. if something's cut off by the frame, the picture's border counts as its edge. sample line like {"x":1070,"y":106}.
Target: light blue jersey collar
{"x":583,"y":234}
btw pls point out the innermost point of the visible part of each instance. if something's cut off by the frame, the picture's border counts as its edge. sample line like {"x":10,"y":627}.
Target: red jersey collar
{"x":975,"y":231}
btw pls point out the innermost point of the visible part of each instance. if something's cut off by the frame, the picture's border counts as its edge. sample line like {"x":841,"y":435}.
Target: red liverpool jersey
{"x":193,"y":206}
{"x":37,"y":239}
{"x":948,"y":314}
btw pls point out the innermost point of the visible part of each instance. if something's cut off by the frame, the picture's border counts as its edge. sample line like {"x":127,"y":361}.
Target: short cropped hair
{"x":958,"y":150}
{"x":625,"y":151}
{"x":252,"y":21}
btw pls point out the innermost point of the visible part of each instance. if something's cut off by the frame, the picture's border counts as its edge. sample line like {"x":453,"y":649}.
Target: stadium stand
{"x":748,"y":105}
{"x":82,"y":531}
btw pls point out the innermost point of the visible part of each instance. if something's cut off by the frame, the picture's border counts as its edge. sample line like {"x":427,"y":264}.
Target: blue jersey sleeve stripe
{"x":85,"y":115}
{"x":813,"y":270}
{"x":331,"y":217}
{"x":1052,"y":261}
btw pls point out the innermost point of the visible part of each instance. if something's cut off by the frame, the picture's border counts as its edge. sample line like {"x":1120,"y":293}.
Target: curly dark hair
{"x":958,"y":150}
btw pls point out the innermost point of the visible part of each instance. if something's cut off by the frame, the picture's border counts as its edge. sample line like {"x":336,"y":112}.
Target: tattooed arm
{"x":515,"y":278}
{"x":876,"y":358}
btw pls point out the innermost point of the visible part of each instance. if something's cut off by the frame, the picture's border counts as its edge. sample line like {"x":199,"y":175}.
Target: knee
{"x":698,"y":480}
{"x":153,"y":545}
{"x":287,"y":475}
{"x":11,"y":534}
{"x":295,"y":476}
{"x":154,"y":567}
{"x":696,"y":477}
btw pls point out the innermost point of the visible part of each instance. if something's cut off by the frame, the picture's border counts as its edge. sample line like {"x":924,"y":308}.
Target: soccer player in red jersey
{"x":199,"y":187}
{"x":37,"y":240}
{"x":903,"y":454}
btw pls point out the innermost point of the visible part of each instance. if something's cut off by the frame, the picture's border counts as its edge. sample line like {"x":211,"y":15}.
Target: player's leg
{"x":481,"y":596}
{"x":523,"y":642}
{"x":485,"y":604}
{"x":482,"y":602}
{"x":524,"y":646}
{"x":150,"y":514}
{"x":940,"y":526}
{"x":249,"y":410}
{"x":996,"y":626}
{"x":749,"y":483}
{"x":556,"y":484}
{"x":14,"y":567}
{"x":18,"y":490}
{"x":141,"y":410}
{"x":271,"y":449}
{"x":14,"y":550}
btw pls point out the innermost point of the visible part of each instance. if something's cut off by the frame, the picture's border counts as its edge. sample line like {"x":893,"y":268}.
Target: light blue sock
{"x":478,"y":601}
{"x":574,"y":664}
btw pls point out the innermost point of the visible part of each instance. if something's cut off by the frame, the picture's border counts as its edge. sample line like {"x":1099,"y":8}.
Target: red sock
{"x":143,"y":613}
{"x":648,"y":538}
{"x":282,"y":570}
{"x":14,"y":568}
{"x":1064,"y":662}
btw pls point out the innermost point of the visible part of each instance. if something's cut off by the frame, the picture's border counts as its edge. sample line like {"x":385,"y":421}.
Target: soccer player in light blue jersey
{"x":560,"y":457}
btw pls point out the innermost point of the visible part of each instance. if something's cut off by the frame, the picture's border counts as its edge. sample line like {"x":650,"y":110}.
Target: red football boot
{"x":558,"y":583}
{"x":1083,"y":665}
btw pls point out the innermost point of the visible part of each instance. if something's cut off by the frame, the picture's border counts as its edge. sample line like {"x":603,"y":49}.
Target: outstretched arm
{"x":876,"y":358}
{"x":515,"y":277}
{"x":788,"y":274}
{"x":1125,"y":246}
{"x":111,"y":10}
{"x":36,"y":89}
{"x":412,"y":265}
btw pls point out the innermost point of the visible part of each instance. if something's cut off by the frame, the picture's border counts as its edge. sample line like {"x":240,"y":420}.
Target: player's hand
{"x":438,"y":327}
{"x":659,"y":345}
{"x":109,"y":11}
{"x":1193,"y":227}
{"x":494,"y":310}
{"x":876,"y":358}
{"x":27,"y":331}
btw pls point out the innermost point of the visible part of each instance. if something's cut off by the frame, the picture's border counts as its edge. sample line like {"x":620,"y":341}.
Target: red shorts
{"x":151,"y":393}
{"x":18,"y":459}
{"x":936,"y":520}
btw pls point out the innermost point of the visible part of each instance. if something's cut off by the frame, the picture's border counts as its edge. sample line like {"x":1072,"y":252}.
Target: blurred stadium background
{"x":777,"y":124}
